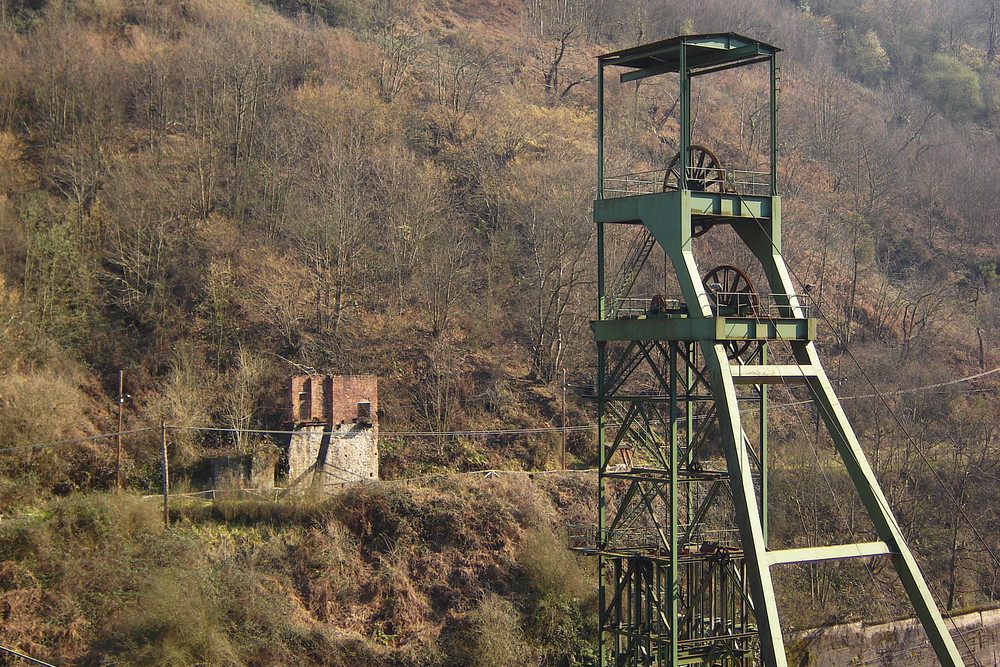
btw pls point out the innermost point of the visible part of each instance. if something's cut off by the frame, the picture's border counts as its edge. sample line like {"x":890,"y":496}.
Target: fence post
{"x":166,"y":474}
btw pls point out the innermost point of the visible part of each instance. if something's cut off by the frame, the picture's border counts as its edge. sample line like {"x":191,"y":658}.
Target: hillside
{"x":447,"y":573}
{"x":213,"y":194}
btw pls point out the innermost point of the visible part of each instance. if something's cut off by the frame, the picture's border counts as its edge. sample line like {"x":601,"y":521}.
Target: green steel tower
{"x":682,"y":393}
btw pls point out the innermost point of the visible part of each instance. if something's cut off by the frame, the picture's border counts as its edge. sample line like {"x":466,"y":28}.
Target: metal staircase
{"x":629,"y":270}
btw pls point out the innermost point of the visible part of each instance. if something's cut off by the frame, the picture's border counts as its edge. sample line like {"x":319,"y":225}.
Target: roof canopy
{"x":704,"y":54}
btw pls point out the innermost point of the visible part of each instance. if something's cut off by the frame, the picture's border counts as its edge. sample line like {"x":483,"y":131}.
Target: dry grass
{"x":377,"y":575}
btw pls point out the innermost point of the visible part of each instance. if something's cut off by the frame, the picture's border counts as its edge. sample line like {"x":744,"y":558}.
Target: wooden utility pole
{"x":563,"y":422}
{"x":982,"y":349}
{"x":166,"y":474}
{"x":992,"y":41}
{"x":121,"y":410}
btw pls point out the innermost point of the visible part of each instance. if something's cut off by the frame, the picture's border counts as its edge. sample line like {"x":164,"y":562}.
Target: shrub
{"x":552,"y":570}
{"x":496,"y":639}
{"x":953,"y":87}
{"x":175,"y":622}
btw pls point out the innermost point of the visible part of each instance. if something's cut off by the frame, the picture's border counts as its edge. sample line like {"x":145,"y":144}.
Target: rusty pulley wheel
{"x":733,"y":293}
{"x":705,"y":172}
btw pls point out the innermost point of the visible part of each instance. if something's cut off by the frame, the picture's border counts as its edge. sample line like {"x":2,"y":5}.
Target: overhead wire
{"x":73,"y":441}
{"x":429,"y":434}
{"x":837,"y":501}
{"x":25,"y":656}
{"x":882,"y":397}
{"x":402,"y":434}
{"x":814,"y":442}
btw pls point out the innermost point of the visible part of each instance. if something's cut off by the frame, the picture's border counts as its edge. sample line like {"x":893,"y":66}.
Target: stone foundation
{"x":238,"y":472}
{"x":324,"y":455}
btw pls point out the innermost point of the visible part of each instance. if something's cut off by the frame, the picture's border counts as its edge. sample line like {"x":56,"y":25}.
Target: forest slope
{"x":212,"y":195}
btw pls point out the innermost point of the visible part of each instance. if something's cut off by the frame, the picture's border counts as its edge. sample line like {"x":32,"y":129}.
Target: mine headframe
{"x":682,"y":530}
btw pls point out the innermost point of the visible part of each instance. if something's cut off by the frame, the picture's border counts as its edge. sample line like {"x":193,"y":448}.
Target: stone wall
{"x":323,"y":455}
{"x":352,"y":455}
{"x":246,"y":471}
{"x":896,"y":644}
{"x":304,"y":450}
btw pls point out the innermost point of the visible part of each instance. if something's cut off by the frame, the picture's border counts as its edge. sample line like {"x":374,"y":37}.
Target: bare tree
{"x":244,"y":385}
{"x":461,"y":76}
{"x":399,"y":46}
{"x":549,"y":212}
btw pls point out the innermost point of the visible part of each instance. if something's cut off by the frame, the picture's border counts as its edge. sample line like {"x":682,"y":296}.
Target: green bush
{"x":953,"y":87}
{"x":867,"y":60}
{"x":561,"y":608}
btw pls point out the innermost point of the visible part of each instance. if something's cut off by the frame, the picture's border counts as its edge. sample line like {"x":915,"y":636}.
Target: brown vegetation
{"x":456,"y":572}
{"x":211,"y":194}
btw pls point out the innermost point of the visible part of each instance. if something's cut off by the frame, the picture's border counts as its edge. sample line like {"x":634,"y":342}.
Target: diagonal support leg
{"x":878,"y":509}
{"x":746,"y":506}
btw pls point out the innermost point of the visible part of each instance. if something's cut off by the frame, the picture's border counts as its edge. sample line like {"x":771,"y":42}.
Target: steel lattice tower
{"x":682,"y":521}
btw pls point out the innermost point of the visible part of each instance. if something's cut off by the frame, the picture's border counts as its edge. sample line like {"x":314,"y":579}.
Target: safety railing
{"x":644,"y":538}
{"x":748,"y":182}
{"x":631,"y":307}
{"x":724,"y":304}
{"x":582,"y":536}
{"x":758,"y":305}
{"x":635,"y":183}
{"x":732,"y":181}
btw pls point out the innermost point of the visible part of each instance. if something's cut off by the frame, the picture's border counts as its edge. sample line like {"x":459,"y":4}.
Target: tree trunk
{"x":992,"y":38}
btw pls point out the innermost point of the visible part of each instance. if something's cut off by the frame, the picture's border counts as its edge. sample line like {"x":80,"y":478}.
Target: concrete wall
{"x":896,"y":644}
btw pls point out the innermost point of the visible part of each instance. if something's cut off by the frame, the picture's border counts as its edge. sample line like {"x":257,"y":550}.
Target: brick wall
{"x":348,"y":391}
{"x":332,"y":399}
{"x":306,"y":399}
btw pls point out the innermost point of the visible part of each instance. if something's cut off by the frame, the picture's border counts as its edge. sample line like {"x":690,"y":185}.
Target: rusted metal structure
{"x":682,"y":539}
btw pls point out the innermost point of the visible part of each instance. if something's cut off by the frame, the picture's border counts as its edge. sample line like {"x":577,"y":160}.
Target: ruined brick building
{"x":334,"y":430}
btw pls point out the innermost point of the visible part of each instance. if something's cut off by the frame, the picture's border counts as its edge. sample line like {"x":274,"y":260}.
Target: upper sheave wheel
{"x":705,"y":172}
